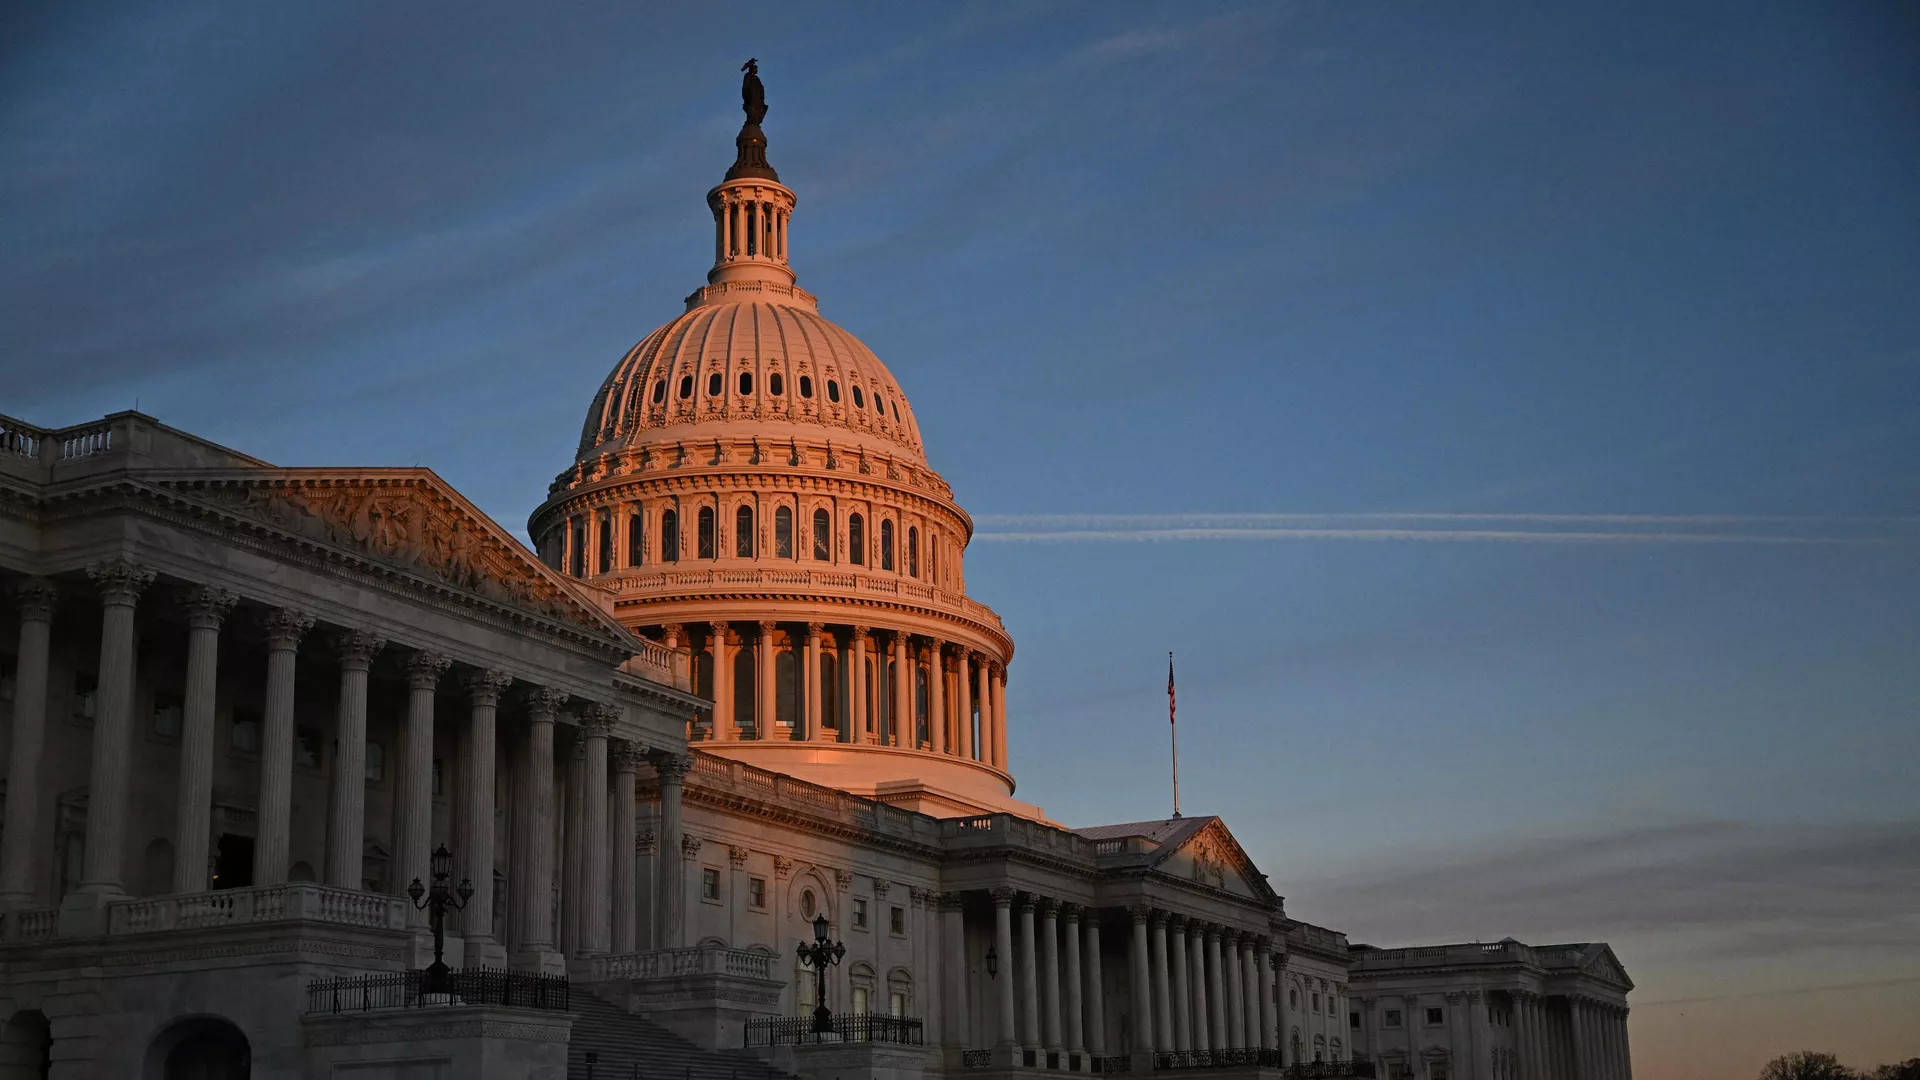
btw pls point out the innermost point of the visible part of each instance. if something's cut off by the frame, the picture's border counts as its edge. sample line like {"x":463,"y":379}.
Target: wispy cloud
{"x":1445,"y":528}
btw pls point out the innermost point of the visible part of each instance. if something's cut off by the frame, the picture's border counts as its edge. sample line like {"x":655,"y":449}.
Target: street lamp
{"x":439,"y":978}
{"x":821,"y":954}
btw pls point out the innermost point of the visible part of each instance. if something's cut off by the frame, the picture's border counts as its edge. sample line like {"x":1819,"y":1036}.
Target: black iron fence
{"x":847,"y":1028}
{"x":471,"y":986}
{"x":1257,"y":1058}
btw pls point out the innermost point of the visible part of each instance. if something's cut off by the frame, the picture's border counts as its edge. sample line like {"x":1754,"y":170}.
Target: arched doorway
{"x":203,"y":1048}
{"x":26,"y":1047}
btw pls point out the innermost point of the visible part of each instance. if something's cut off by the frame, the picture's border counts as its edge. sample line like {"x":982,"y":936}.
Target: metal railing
{"x":471,"y":986}
{"x":1253,"y":1057}
{"x":847,"y":1028}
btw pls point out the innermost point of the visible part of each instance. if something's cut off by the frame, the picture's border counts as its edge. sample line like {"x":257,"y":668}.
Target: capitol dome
{"x":750,"y":485}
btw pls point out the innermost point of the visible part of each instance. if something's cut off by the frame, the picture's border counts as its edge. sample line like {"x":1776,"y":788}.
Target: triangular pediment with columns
{"x":1210,"y":856}
{"x":409,"y":519}
{"x":1605,"y":966}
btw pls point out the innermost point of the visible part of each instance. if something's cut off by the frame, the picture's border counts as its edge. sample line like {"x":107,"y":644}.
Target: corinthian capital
{"x":425,"y":668}
{"x":357,"y":648}
{"x":485,"y":687}
{"x":543,"y":702}
{"x":120,"y":581}
{"x":284,"y":627}
{"x":207,"y":606}
{"x":672,"y":768}
{"x":35,"y":597}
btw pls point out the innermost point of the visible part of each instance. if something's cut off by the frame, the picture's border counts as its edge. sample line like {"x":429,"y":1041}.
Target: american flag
{"x":1169,"y":688}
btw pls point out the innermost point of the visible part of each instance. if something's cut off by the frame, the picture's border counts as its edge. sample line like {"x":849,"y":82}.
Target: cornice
{"x":609,"y":490}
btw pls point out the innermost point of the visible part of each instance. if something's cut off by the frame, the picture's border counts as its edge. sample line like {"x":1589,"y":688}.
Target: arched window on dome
{"x":786,"y":693}
{"x":636,"y":537}
{"x":833,"y":391}
{"x":830,"y":696}
{"x":858,"y":401}
{"x":743,"y":532}
{"x":775,"y":385}
{"x":913,"y":552}
{"x":886,"y":544}
{"x":783,"y":533}
{"x":745,"y":695}
{"x":659,"y":391}
{"x":706,"y":532}
{"x":686,"y":387}
{"x":715,"y":384}
{"x":670,"y":536}
{"x":746,"y":383}
{"x":806,"y":387}
{"x":857,"y":540}
{"x":822,"y":536}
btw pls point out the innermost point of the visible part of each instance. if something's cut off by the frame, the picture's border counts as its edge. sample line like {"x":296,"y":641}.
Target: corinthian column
{"x":120,"y":583}
{"x":1162,"y":988}
{"x":1029,"y":979}
{"x":1249,"y":992}
{"x":207,"y":608}
{"x":1003,"y":945}
{"x":1000,"y":716}
{"x":1140,"y":990}
{"x":1182,"y":1000}
{"x":1263,"y":971}
{"x":483,"y":692}
{"x":1096,"y":1006}
{"x":937,"y":696}
{"x":35,"y":598}
{"x":963,"y":704}
{"x":984,"y":677}
{"x":720,"y":645}
{"x":953,"y":969}
{"x":1050,"y":976}
{"x":905,"y":731}
{"x":764,"y":712}
{"x":672,"y":769}
{"x":594,"y":911}
{"x":626,"y":914}
{"x":857,"y":731}
{"x":413,"y":843}
{"x":1202,"y":1022}
{"x":284,"y":628}
{"x":536,"y":914}
{"x":346,"y":832}
{"x":816,"y":725}
{"x":1216,"y":992}
{"x":1076,"y":1032}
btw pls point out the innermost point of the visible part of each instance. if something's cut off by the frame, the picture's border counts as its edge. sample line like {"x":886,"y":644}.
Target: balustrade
{"x":692,"y":960}
{"x":266,"y":903}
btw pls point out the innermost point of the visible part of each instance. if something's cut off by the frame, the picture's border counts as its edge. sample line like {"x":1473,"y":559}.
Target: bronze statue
{"x":753,"y":96}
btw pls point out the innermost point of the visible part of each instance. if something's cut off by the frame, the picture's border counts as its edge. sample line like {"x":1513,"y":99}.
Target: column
{"x":120,"y":583}
{"x":963,"y":705}
{"x":673,"y":770}
{"x":284,"y":629}
{"x":1162,"y":995}
{"x":1049,"y":969}
{"x":719,"y":645}
{"x":346,"y":823}
{"x":207,"y":608}
{"x":982,"y":675}
{"x":1216,"y":992}
{"x":763,"y":709}
{"x":1182,"y":1004}
{"x":536,"y":933}
{"x":816,"y":724}
{"x":1457,"y":1037}
{"x":1029,"y":979}
{"x":1141,"y":982}
{"x":1263,"y":971}
{"x":571,"y":855}
{"x":1522,"y":1034}
{"x":626,"y":910}
{"x":1075,"y":1006}
{"x":1197,"y":947}
{"x":1250,"y":996}
{"x":937,"y":696}
{"x":1096,"y":1003}
{"x":905,"y":726}
{"x":1229,"y":1002}
{"x":1626,"y":1045}
{"x":35,"y":597}
{"x":1582,"y":1046}
{"x":953,"y":968}
{"x":476,"y":812}
{"x":1003,"y":946}
{"x":597,"y":726}
{"x":1000,"y":716}
{"x":413,"y":841}
{"x":857,"y":692}
{"x":1410,"y":1024}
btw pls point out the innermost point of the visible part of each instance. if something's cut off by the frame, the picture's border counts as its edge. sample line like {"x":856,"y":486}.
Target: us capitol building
{"x":736,"y":691}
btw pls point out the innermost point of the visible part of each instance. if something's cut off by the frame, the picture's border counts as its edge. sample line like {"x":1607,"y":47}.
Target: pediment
{"x":1605,"y":966}
{"x":409,"y":519}
{"x":1211,"y":856}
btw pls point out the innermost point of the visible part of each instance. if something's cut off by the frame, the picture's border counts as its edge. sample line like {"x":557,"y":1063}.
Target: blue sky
{"x":1438,"y":287}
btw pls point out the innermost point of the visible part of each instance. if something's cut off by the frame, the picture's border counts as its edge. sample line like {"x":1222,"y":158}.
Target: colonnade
{"x":959,"y":682}
{"x":1207,"y":987}
{"x":749,"y":228}
{"x":1586,"y":1039}
{"x":599,"y":883}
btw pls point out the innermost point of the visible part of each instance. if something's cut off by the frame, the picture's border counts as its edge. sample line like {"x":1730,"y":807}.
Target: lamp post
{"x":438,"y":978}
{"x":821,"y":954}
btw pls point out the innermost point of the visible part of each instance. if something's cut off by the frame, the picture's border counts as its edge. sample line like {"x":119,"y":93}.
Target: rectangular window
{"x":1353,"y":1020}
{"x":859,"y":914}
{"x":86,"y":694}
{"x":245,"y":736}
{"x":577,"y":545}
{"x":636,"y":539}
{"x":859,"y":1000}
{"x":1399,"y":1070}
{"x":1435,"y":1017}
{"x":306,"y":747}
{"x":1439,"y":1071}
{"x":169,"y":712}
{"x":438,"y":790}
{"x":710,"y":884}
{"x":896,"y":1004}
{"x":604,"y":520}
{"x":805,"y":987}
{"x":757,"y":893}
{"x":897,"y":920}
{"x":7,"y":667}
{"x":1316,"y":1003}
{"x":1392,"y":1018}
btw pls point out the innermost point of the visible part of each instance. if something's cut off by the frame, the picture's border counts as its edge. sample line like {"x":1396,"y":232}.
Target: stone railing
{"x":694,"y":960}
{"x":35,"y":925}
{"x":662,"y":664}
{"x":266,"y":903}
{"x":648,"y":582}
{"x":1006,"y":830}
{"x":825,"y":802}
{"x":1498,"y":952}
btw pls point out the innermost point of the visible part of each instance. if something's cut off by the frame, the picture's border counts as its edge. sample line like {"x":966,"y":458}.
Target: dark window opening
{"x":636,"y":539}
{"x":856,"y":540}
{"x":706,"y":532}
{"x":686,"y":387}
{"x":858,"y":401}
{"x":774,"y":385}
{"x":659,"y":391}
{"x":604,"y":520}
{"x":746,"y":383}
{"x":578,"y":529}
{"x":743,"y":532}
{"x":913,"y":553}
{"x":886,"y":545}
{"x":833,"y":391}
{"x":233,"y":862}
{"x":670,"y":537}
{"x":806,"y":387}
{"x":783,"y":533}
{"x":714,"y":385}
{"x":822,"y":536}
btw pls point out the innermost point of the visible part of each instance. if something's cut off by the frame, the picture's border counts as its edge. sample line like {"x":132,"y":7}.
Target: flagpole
{"x":1173,"y":730}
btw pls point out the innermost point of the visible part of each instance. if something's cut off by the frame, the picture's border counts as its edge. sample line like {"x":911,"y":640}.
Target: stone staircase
{"x":624,"y":1041}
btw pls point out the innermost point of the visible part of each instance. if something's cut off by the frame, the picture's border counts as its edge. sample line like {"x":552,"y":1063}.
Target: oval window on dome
{"x":833,"y":391}
{"x":659,"y":391}
{"x":878,"y":407}
{"x":714,"y":384}
{"x":686,"y":387}
{"x":775,"y":385}
{"x":858,"y":401}
{"x":746,"y":382}
{"x":806,"y":387}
